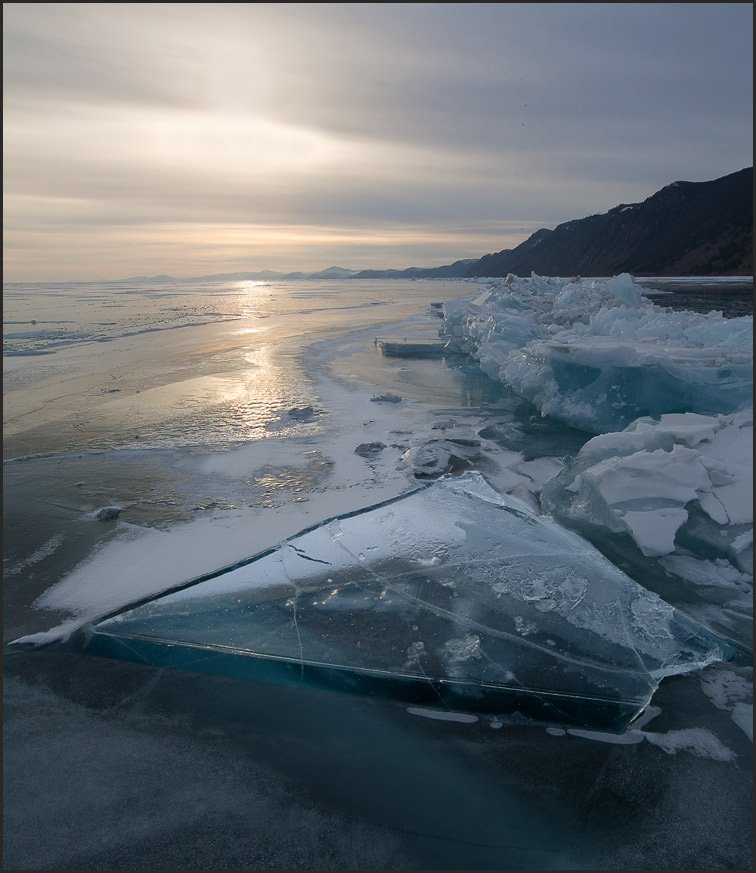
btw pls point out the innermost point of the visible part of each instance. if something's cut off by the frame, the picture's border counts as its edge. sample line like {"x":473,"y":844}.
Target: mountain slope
{"x":685,"y":229}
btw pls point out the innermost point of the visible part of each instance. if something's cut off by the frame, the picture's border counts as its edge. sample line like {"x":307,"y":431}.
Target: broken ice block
{"x":650,"y":478}
{"x":595,"y":354}
{"x":451,"y":596}
{"x":435,"y":457}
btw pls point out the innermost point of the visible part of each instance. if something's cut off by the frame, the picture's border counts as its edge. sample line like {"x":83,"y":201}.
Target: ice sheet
{"x":596,"y":354}
{"x":453,"y":596}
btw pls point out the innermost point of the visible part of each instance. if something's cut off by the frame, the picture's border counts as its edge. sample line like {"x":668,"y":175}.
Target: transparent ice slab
{"x":416,"y":347}
{"x":452,"y":596}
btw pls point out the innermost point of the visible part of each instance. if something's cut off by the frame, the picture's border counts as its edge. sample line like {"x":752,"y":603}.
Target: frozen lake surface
{"x":212,"y":422}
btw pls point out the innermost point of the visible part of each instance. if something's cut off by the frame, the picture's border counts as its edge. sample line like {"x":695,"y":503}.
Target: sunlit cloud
{"x":175,"y":137}
{"x":194,"y":249}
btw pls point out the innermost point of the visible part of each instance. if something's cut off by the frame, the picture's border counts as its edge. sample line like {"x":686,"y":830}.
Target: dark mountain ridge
{"x":685,"y":229}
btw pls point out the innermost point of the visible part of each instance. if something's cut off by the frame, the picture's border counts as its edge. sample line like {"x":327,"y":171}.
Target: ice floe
{"x":453,"y":597}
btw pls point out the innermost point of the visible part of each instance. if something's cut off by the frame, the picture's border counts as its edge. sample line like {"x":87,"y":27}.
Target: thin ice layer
{"x":453,"y":595}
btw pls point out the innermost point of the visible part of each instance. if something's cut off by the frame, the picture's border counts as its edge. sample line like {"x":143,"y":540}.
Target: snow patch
{"x":698,"y":741}
{"x":442,"y":715}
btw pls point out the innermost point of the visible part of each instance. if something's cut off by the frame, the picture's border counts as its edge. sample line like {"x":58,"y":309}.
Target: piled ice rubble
{"x":597,"y":355}
{"x":682,"y":480}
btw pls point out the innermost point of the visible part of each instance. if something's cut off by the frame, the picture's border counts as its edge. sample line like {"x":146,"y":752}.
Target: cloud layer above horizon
{"x":194,"y":138}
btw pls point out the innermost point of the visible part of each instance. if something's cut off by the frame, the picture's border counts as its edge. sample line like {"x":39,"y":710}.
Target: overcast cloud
{"x":188,"y":138}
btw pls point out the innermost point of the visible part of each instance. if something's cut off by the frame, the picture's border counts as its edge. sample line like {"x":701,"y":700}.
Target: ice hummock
{"x":681,"y":479}
{"x":597,"y":355}
{"x":451,"y":596}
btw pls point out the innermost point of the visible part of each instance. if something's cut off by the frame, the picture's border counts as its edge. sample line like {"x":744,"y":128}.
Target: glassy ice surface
{"x":453,"y":596}
{"x":201,"y":436}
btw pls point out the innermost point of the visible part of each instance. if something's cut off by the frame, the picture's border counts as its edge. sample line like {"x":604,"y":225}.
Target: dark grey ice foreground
{"x":452,"y":596}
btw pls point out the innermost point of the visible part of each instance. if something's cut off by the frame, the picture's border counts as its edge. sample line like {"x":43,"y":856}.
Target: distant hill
{"x":685,"y":229}
{"x":457,"y":270}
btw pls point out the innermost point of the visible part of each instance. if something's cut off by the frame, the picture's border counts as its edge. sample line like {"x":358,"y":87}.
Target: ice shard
{"x":452,"y":596}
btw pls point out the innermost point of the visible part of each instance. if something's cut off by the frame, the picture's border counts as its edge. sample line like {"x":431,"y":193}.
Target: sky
{"x":204,"y":138}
